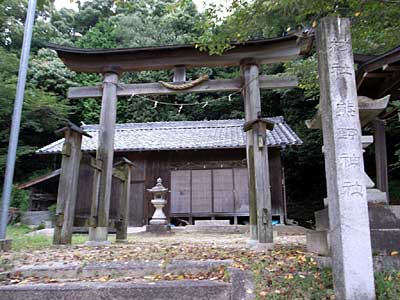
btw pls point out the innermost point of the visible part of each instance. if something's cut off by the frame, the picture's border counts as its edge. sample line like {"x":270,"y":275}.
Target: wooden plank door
{"x":241,"y":190}
{"x":136,"y":204}
{"x":180,"y":192}
{"x":201,"y":191}
{"x":223,"y":191}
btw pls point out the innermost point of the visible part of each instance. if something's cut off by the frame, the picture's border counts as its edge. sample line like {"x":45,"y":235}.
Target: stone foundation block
{"x":376,"y":196}
{"x":158,"y":229}
{"x":322,"y":219}
{"x":380,"y":217}
{"x":381,"y":263}
{"x":385,"y":240}
{"x":35,"y":217}
{"x":317,"y":242}
{"x":211,"y":222}
{"x":384,"y":216}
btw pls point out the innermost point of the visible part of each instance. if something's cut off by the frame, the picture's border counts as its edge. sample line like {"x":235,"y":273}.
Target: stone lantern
{"x":158,"y":222}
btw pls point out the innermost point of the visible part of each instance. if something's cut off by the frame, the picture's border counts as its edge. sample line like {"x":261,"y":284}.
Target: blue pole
{"x":16,"y":118}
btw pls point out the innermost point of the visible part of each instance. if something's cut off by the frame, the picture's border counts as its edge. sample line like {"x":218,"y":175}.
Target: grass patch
{"x":304,"y":280}
{"x":22,"y":241}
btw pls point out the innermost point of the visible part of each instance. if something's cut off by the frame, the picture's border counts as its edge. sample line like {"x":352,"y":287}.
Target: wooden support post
{"x":68,"y":184}
{"x":257,"y":159}
{"x":98,"y":230}
{"x":125,"y":193}
{"x":382,"y":181}
{"x":349,"y":235}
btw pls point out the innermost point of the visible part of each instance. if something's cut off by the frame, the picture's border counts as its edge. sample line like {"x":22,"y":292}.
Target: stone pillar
{"x":124,"y":167}
{"x":382,"y":182}
{"x":98,"y":230}
{"x":350,"y":240}
{"x":68,"y":184}
{"x":257,"y":159}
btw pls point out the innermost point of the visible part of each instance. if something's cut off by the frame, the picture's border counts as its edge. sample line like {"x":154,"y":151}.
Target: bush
{"x":20,"y":199}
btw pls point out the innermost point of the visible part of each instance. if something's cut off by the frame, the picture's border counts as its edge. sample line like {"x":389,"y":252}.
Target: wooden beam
{"x":39,"y":179}
{"x":258,"y":164}
{"x":220,"y":85}
{"x":389,"y":68}
{"x":165,"y":58}
{"x":123,"y":204}
{"x":360,"y":76}
{"x":377,"y":75}
{"x":390,"y":83}
{"x":68,"y":188}
{"x":382,"y":181}
{"x":102,"y":180}
{"x":249,"y":115}
{"x":391,"y":57}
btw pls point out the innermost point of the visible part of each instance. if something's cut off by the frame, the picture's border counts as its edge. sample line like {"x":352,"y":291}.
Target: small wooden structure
{"x":377,"y":76}
{"x":202,"y":162}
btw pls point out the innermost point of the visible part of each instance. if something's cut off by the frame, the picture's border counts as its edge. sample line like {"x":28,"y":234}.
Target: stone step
{"x":127,"y":281}
{"x":133,"y":269}
{"x":161,"y":290}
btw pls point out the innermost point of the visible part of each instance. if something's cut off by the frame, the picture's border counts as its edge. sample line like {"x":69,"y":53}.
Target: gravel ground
{"x":146,"y":247}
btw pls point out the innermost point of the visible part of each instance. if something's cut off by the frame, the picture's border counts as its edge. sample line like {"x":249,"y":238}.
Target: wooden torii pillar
{"x":102,"y":181}
{"x":261,"y":232}
{"x":68,"y":186}
{"x":122,"y":171}
{"x":382,"y":181}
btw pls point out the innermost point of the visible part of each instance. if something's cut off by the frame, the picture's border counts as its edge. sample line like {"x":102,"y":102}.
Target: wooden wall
{"x":220,"y":168}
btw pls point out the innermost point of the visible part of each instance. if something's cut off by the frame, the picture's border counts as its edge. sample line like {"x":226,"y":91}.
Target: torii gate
{"x":113,"y":63}
{"x":350,"y":238}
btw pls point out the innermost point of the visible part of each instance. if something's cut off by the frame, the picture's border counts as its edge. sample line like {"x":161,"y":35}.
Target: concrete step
{"x":162,"y":290}
{"x":127,"y":280}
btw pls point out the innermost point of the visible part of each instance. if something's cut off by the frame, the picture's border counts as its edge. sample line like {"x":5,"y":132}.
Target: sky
{"x":70,"y":4}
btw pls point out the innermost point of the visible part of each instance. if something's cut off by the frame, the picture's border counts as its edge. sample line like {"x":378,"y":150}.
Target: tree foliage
{"x":42,"y":114}
{"x":145,"y":23}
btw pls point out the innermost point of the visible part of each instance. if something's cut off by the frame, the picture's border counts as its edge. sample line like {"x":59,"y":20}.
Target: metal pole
{"x":16,"y":118}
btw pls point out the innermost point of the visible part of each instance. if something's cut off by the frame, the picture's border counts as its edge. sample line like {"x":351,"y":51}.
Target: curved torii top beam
{"x":167,"y":57}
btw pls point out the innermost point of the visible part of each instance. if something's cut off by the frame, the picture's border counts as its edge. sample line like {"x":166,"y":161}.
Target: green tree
{"x":42,"y":114}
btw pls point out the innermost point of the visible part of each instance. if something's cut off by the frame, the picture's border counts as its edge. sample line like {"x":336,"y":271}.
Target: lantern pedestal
{"x":158,"y":229}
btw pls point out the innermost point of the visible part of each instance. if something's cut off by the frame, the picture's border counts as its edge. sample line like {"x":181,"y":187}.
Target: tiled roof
{"x":181,"y":135}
